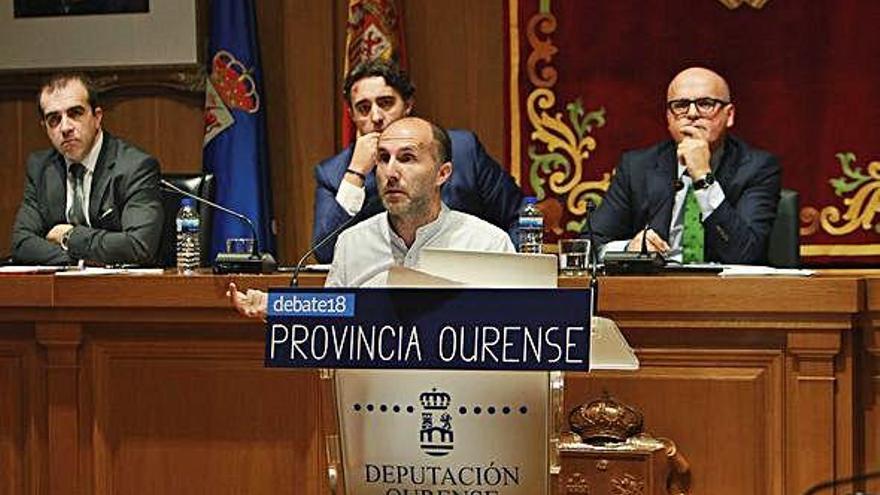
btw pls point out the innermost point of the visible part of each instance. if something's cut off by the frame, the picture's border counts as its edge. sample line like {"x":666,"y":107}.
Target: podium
{"x":441,"y":385}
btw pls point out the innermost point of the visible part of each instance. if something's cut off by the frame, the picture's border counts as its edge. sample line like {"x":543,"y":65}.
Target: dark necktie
{"x":76,"y":215}
{"x":692,"y":238}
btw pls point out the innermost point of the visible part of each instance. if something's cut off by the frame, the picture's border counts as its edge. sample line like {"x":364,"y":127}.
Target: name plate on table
{"x":465,"y":329}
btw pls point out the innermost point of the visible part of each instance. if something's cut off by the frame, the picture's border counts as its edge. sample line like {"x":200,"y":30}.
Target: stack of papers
{"x":77,"y":271}
{"x":13,"y":269}
{"x":760,"y":271}
{"x":92,"y":271}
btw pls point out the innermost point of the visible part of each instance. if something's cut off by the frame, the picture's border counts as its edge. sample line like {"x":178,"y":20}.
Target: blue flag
{"x":235,"y":148}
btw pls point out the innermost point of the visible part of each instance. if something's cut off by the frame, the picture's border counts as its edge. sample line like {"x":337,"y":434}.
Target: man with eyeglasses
{"x":90,"y":197}
{"x":703,"y":196}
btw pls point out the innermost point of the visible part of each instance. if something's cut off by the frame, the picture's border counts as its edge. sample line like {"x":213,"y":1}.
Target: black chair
{"x":784,"y":248}
{"x":201,"y":185}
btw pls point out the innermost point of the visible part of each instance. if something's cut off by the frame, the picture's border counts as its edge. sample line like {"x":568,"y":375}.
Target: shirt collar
{"x":423,"y":233}
{"x":91,"y":159}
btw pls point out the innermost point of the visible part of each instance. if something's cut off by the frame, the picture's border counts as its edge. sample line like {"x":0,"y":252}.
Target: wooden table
{"x":152,"y":384}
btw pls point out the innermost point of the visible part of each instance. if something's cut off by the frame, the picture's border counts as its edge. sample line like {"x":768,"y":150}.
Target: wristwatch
{"x":65,"y":238}
{"x":704,"y":182}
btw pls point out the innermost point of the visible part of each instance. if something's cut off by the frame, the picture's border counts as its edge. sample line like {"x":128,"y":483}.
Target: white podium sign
{"x":443,"y":432}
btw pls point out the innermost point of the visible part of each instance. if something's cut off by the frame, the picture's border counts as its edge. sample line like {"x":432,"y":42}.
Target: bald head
{"x":698,"y":77}
{"x":428,"y":131}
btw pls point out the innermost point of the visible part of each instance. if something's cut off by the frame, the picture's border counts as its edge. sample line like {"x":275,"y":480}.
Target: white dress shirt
{"x":365,"y":252}
{"x":89,"y":163}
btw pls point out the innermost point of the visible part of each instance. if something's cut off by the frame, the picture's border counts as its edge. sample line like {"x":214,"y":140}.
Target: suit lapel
{"x":101,"y":177}
{"x":56,"y":189}
{"x":727,"y":168}
{"x":660,"y":192}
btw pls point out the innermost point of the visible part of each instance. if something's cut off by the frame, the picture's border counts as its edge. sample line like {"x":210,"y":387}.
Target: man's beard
{"x":412,"y":207}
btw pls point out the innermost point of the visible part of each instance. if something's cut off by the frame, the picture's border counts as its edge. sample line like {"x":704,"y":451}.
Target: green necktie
{"x":692,"y":237}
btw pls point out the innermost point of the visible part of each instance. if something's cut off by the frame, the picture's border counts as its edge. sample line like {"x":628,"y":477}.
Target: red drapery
{"x":374,"y":31}
{"x":588,"y":81}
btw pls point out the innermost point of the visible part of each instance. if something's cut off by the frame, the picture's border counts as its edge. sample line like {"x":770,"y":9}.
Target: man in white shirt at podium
{"x":413,"y":162}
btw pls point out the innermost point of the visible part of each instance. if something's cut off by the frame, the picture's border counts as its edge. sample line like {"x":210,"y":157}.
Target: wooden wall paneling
{"x":180,"y":131}
{"x":61,"y":342}
{"x":871,"y":405}
{"x":165,"y":124}
{"x":270,"y":23}
{"x":456,"y":59}
{"x":722,"y":409}
{"x":12,"y":172}
{"x":134,"y":119}
{"x":33,"y":136}
{"x":848,"y":421}
{"x":309,"y":58}
{"x":243,"y":428}
{"x":811,"y":417}
{"x":20,"y":438}
{"x":20,"y":135}
{"x":870,"y":386}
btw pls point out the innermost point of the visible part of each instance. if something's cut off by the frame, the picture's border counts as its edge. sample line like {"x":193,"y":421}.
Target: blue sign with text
{"x":485,"y":329}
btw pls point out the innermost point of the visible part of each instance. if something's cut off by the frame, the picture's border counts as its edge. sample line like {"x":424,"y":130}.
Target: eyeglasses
{"x":705,"y":106}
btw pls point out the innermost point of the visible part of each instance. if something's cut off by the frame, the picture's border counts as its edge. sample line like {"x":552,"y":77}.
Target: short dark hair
{"x":394,"y":76}
{"x":442,"y":143}
{"x":60,"y":80}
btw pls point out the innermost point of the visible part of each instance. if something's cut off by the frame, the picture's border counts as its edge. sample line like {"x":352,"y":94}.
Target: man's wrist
{"x":705,"y":181}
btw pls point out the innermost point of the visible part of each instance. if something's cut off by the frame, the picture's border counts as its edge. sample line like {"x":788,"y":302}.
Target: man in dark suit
{"x":91,"y":197}
{"x":703,"y":196}
{"x":379,"y":93}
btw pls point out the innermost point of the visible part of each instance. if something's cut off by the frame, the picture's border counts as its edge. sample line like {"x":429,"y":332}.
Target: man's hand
{"x":694,"y":153}
{"x":363,"y":159}
{"x":654,"y":242}
{"x":251,"y":304}
{"x":57,"y":232}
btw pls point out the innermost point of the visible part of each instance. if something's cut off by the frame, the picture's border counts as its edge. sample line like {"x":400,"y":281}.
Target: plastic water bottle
{"x":188,"y":252}
{"x":531,"y":227}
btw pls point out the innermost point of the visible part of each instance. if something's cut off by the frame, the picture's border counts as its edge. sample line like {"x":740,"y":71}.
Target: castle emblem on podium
{"x":436,"y":436}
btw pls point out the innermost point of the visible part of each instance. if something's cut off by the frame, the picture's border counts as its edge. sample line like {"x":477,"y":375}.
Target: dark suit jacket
{"x":125,"y":209}
{"x":478,"y":186}
{"x":737,"y":231}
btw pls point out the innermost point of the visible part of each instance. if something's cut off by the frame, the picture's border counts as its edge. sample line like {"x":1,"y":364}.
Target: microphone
{"x":593,"y":259}
{"x":677,"y":185}
{"x":843,"y":481}
{"x":369,"y":209}
{"x":644,"y":261}
{"x":255,"y":262}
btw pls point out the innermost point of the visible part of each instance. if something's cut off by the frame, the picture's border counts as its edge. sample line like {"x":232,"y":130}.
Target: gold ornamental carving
{"x":627,"y":485}
{"x":543,"y":50}
{"x":577,"y":484}
{"x":735,"y":4}
{"x":561,"y":142}
{"x":861,"y":200}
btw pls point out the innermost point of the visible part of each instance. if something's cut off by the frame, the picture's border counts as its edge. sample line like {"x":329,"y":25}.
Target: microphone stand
{"x":366,"y":210}
{"x":255,"y":262}
{"x":593,"y":259}
{"x":844,"y":481}
{"x":643,"y":261}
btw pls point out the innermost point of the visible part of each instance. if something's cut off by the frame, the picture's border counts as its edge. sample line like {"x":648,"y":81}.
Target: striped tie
{"x":76,"y":215}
